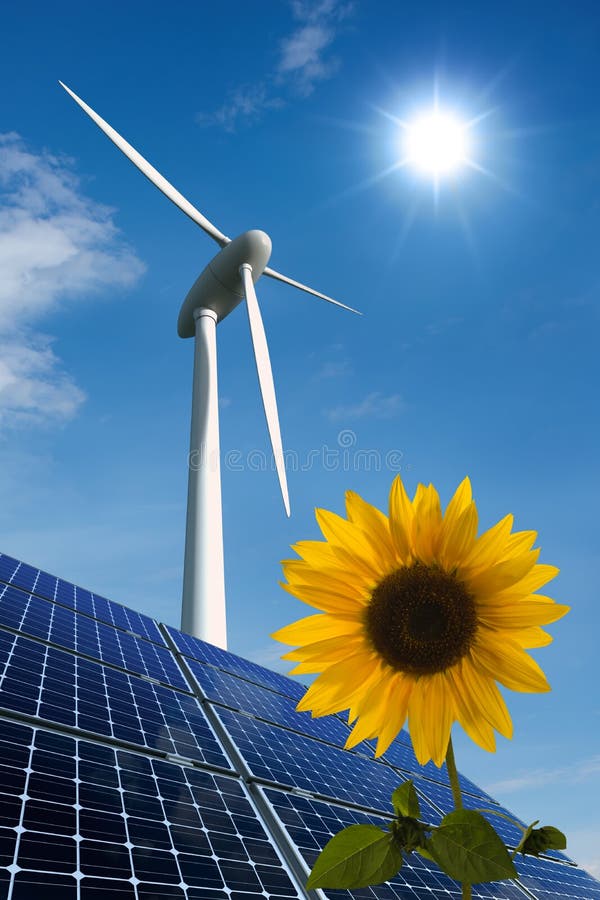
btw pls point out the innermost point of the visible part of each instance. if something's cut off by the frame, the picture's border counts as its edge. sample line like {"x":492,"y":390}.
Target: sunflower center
{"x":421,"y":619}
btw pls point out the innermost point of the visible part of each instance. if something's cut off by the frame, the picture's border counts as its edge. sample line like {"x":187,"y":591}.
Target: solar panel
{"x":309,"y":823}
{"x":40,"y":681}
{"x":277,"y":755}
{"x":40,"y":583}
{"x":84,"y":821}
{"x":137,"y":768}
{"x":401,"y":755}
{"x":552,"y":880}
{"x":237,"y":665}
{"x":264,"y":703}
{"x":42,"y":619}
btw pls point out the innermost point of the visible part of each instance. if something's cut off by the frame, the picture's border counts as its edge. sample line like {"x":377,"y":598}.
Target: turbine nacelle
{"x":220,"y":286}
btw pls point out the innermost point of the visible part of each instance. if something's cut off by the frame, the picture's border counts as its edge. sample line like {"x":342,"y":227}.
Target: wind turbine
{"x":228,"y":278}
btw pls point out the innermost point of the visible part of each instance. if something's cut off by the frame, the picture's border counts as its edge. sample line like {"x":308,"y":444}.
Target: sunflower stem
{"x":458,"y":804}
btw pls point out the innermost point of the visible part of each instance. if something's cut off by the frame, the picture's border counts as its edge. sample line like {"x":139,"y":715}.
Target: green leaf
{"x":356,"y":857}
{"x":555,"y":839}
{"x":526,"y":835}
{"x":468,"y":849}
{"x":405,"y":800}
{"x":539,"y":840}
{"x":424,"y":852}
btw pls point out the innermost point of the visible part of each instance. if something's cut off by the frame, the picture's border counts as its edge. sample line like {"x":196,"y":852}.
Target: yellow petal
{"x":503,"y":575}
{"x":518,"y":543}
{"x":457,"y":539}
{"x":468,"y":711}
{"x":327,"y":651}
{"x":333,"y":691}
{"x":484,"y":691}
{"x":537,"y":578}
{"x":502,"y":659}
{"x":521,"y":614}
{"x":317,"y":628}
{"x":348,"y":537}
{"x":427,"y":523}
{"x":396,"y":715}
{"x":486,"y":550}
{"x":298,"y":572}
{"x":335,"y":561}
{"x":529,"y":638}
{"x":462,"y":498}
{"x":401,"y":518}
{"x":374,"y":525}
{"x":321,"y":599}
{"x":430,"y":716}
{"x":372,"y":710}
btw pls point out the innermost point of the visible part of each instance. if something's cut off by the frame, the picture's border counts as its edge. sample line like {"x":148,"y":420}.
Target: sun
{"x":436,"y":143}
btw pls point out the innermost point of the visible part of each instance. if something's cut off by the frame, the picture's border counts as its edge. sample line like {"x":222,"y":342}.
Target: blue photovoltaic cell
{"x":84,"y":821}
{"x":311,"y":823}
{"x":266,"y":704}
{"x":401,"y":755}
{"x":42,"y":619}
{"x":222,"y":659}
{"x":35,"y":581}
{"x":554,"y":881}
{"x":37,"y":680}
{"x":287,"y":758}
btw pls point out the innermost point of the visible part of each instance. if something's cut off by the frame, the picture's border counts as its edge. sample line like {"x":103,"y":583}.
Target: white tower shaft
{"x":203,"y":607}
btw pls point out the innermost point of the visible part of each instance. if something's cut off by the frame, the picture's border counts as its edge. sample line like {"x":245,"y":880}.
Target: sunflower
{"x":419,"y":618}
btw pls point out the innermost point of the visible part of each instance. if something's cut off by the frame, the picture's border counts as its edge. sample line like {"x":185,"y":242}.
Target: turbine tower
{"x":228,"y":279}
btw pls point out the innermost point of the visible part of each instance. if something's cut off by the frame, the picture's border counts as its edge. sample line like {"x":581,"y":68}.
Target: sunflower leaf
{"x":539,"y":840}
{"x":468,"y":849}
{"x":405,"y":800}
{"x":424,"y":852}
{"x":356,"y":857}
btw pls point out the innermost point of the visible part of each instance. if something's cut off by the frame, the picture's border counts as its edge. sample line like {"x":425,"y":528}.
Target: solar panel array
{"x":138,"y":763}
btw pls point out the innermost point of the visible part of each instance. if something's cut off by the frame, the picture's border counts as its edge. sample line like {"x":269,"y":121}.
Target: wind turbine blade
{"x":151,"y":174}
{"x":302,"y":287}
{"x":265,"y":378}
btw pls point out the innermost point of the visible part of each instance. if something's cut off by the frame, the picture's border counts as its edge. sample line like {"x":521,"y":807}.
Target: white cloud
{"x":246,"y":103}
{"x":302,"y":56}
{"x":373,"y":406}
{"x":55,"y":244}
{"x":334,"y":369}
{"x":302,"y":61}
{"x":572,"y":774}
{"x":33,"y":387}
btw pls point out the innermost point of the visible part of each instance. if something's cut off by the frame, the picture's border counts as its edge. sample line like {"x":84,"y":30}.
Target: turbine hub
{"x":220,"y":287}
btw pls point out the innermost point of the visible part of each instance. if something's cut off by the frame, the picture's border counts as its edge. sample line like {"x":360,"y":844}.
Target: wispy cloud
{"x":303,"y":59}
{"x":55,"y":244}
{"x":573,"y":774}
{"x":373,"y":406}
{"x":334,"y":369}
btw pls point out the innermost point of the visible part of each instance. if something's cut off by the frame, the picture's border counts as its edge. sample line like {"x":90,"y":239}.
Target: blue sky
{"x":477,"y":353}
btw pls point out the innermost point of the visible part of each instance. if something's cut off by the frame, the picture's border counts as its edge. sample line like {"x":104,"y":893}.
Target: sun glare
{"x":436,"y":144}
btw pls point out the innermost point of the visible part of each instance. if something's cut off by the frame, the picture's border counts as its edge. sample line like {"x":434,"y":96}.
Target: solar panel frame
{"x":94,"y":821}
{"x":50,"y":587}
{"x":39,"y":681}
